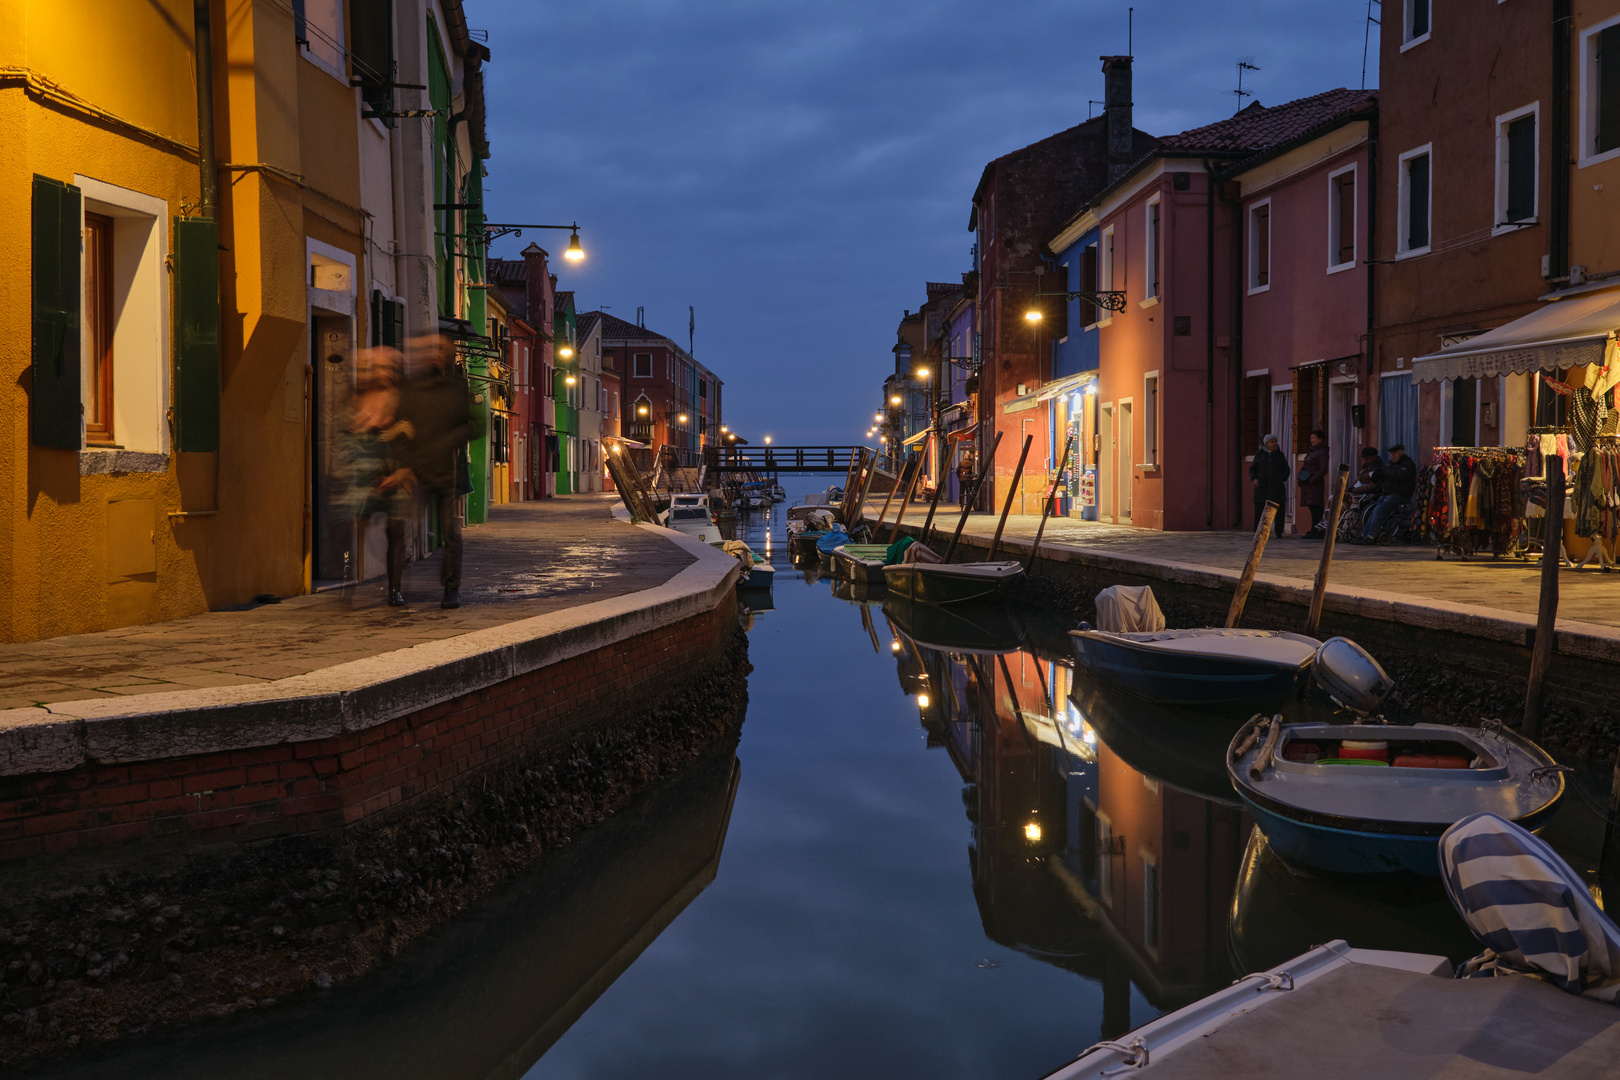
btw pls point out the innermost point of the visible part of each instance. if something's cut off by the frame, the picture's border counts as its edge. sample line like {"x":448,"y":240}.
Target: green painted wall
{"x":567,"y":415}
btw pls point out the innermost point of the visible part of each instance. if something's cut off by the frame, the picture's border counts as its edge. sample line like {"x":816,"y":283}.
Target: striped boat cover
{"x":1533,"y":913}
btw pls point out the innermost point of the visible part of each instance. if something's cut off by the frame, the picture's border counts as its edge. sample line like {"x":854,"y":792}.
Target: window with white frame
{"x":1342,"y":218}
{"x":1600,"y":91}
{"x":1105,"y":272}
{"x":1260,"y":246}
{"x":1415,"y":22}
{"x":1415,"y":179}
{"x":1150,"y":261}
{"x":1516,"y":166}
{"x":124,"y":332}
{"x":642,"y":368}
{"x":318,"y":29}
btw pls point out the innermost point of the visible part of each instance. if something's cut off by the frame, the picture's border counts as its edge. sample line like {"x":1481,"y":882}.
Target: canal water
{"x":932,"y":854}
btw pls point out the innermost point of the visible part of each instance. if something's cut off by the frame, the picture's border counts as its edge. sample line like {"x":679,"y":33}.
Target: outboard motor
{"x":1350,"y":675}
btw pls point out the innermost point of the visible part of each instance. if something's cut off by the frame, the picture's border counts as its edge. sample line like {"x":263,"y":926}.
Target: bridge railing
{"x":780,"y":459}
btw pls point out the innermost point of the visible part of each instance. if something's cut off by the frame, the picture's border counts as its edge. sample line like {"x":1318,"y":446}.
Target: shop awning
{"x":962,"y":433}
{"x":1564,"y":334}
{"x":1069,"y":384}
{"x":919,"y":437}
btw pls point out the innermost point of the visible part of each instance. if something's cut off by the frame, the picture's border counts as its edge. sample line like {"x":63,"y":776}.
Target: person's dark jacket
{"x":1270,"y":468}
{"x":1397,"y":477}
{"x":439,"y":408}
{"x":1313,"y":476}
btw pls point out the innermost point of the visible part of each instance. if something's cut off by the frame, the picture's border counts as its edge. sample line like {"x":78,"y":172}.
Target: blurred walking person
{"x":435,"y":402}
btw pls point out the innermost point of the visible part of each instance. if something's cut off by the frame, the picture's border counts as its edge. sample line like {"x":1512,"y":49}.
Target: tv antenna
{"x":1366,"y":37}
{"x":1244,"y":64}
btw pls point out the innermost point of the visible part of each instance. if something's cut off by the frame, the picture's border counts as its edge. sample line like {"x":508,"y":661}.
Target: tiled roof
{"x":564,"y":298}
{"x":584,"y":324}
{"x":506,"y":271}
{"x":937,"y":289}
{"x":616,"y":328}
{"x":1256,"y":127}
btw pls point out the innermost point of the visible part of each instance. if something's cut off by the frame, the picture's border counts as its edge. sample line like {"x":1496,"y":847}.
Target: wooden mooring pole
{"x":1006,"y":508}
{"x":892,"y":489}
{"x":939,"y":486}
{"x":1262,"y":533}
{"x":1046,"y":511}
{"x":911,"y":488}
{"x":1552,"y":543}
{"x":968,"y":500}
{"x":1320,"y":588}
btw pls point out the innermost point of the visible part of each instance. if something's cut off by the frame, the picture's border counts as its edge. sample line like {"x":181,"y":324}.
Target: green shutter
{"x":55,"y":405}
{"x":394,"y":323}
{"x":196,"y":339}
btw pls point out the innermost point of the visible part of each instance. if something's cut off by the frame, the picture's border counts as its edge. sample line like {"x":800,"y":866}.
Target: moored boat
{"x":952,"y":583}
{"x":986,"y":629}
{"x":1374,"y":798}
{"x":1214,"y":667}
{"x":859,"y":562}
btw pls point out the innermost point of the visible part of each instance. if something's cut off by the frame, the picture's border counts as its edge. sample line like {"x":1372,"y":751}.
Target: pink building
{"x":1167,"y":411}
{"x":1305,"y":320}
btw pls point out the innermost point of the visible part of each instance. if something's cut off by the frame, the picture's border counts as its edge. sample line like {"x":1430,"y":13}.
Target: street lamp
{"x":1033,"y":315}
{"x":894,"y":399}
{"x":565,"y":351}
{"x":574,"y":252}
{"x":920,"y":373}
{"x":767,"y":440}
{"x":683,"y":418}
{"x":641,"y":410}
{"x":569,"y":379}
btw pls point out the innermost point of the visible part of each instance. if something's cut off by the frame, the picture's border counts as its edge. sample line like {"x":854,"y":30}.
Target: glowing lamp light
{"x":922,"y":701}
{"x":767,"y":440}
{"x":574,"y":252}
{"x":894,"y":399}
{"x":565,"y":351}
{"x":683,"y":418}
{"x":570,"y":380}
{"x":1032,"y":832}
{"x":641,"y":411}
{"x":894,"y":646}
{"x":1032,"y":315}
{"x":723,"y":428}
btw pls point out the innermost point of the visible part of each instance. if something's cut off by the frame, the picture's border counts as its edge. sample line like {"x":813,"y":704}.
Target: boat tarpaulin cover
{"x":835,"y":539}
{"x":1563,"y":334}
{"x":1533,"y":913}
{"x":1127,"y":609}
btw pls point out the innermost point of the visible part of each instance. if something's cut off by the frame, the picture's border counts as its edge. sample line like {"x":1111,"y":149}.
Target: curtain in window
{"x":1398,"y":414}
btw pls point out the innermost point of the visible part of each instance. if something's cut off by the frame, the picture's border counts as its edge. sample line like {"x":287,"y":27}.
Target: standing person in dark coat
{"x":1313,"y":483}
{"x":437,"y":405}
{"x":1269,"y":473}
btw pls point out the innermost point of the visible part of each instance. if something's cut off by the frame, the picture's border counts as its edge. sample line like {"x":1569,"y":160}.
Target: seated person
{"x":1396,"y":481}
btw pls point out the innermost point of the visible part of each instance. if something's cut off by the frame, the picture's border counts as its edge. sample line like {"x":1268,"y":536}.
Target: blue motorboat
{"x":1208,"y":668}
{"x":1374,"y":798}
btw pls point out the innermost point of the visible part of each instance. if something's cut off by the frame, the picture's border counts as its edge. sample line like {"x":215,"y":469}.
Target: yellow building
{"x":172,"y":389}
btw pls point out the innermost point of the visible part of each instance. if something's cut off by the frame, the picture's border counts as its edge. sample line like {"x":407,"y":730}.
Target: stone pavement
{"x":529,"y":559}
{"x":1587,"y":595}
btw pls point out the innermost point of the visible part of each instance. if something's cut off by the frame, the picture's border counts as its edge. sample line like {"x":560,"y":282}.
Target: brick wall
{"x":329,"y":784}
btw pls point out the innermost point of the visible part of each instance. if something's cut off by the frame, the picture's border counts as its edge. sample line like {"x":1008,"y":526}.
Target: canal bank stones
{"x":236,"y":930}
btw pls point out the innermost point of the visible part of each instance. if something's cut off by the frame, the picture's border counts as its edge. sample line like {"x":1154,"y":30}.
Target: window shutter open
{"x":196,"y":339}
{"x":371,"y":33}
{"x":55,"y":407}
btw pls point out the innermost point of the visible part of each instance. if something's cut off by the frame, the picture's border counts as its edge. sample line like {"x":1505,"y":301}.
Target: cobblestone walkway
{"x":1508,"y":584}
{"x":529,"y":559}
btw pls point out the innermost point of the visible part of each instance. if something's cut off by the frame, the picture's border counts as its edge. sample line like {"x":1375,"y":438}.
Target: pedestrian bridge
{"x":782,"y":459}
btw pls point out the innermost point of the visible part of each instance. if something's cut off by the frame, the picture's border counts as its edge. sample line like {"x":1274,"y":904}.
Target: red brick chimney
{"x":537,"y":272}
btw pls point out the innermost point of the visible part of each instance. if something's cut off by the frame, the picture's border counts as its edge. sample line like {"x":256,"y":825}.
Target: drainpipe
{"x":1371,"y":374}
{"x":1209,"y":340}
{"x":205,"y":109}
{"x":1236,"y":351}
{"x":1558,"y":205}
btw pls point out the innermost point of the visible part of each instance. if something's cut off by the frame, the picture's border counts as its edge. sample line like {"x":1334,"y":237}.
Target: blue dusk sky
{"x":797,"y":171}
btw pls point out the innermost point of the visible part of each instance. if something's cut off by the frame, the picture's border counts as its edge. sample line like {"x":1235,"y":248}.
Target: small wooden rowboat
{"x":1374,"y":798}
{"x":859,"y":562}
{"x":1216,"y":667}
{"x":952,"y":583}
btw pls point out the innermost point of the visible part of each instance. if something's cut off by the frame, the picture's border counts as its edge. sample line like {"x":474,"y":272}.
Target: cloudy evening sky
{"x":797,"y":171}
